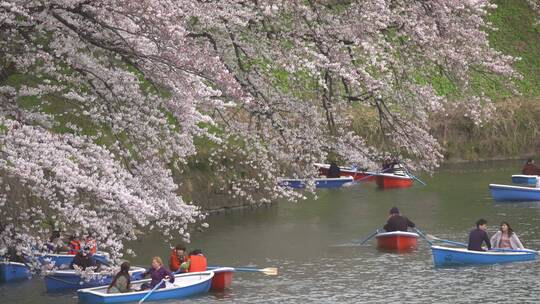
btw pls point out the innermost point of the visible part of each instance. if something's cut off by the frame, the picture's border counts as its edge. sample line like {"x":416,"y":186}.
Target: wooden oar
{"x":412,"y":175}
{"x":369,"y":237}
{"x":155,"y":287}
{"x":267,"y":271}
{"x":432,"y":237}
{"x":423,"y":235}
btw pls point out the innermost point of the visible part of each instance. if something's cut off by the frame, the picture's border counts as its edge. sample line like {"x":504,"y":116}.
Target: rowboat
{"x":347,"y":171}
{"x":393,"y":180}
{"x":396,"y":240}
{"x":514,"y":193}
{"x":63,"y":260}
{"x":185,"y":285}
{"x":447,"y":256}
{"x":62,"y":280}
{"x":222,"y":279}
{"x":14,"y":271}
{"x":319,"y":182}
{"x":524,"y":179}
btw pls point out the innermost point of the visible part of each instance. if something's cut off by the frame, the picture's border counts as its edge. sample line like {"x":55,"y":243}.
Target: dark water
{"x":313,"y":245}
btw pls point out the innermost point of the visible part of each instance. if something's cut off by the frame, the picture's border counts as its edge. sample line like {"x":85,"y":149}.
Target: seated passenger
{"x":84,"y":259}
{"x":530,"y":168}
{"x":333,"y":171}
{"x":506,"y":238}
{"x":121,"y":282}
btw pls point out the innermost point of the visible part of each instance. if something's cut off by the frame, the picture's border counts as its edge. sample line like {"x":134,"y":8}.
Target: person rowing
{"x":397,"y":222}
{"x":478,"y":236}
{"x":157,"y":272}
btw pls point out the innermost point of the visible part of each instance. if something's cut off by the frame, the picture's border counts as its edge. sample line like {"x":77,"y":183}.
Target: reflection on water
{"x":315,"y":246}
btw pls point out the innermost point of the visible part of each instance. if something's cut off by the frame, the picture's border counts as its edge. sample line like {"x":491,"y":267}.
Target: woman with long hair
{"x":506,"y":238}
{"x":121,"y":282}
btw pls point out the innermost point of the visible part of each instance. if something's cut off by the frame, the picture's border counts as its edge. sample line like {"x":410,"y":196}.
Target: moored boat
{"x":448,"y":256}
{"x":347,"y":171}
{"x":393,"y":180}
{"x":397,"y":240}
{"x":319,"y":182}
{"x":185,"y":285}
{"x":62,"y":280}
{"x":514,"y":193}
{"x":524,"y":179}
{"x":14,"y":271}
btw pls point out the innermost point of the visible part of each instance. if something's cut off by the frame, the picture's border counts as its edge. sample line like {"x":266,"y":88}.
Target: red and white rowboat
{"x":392,"y":180}
{"x":397,"y":240}
{"x":347,"y":171}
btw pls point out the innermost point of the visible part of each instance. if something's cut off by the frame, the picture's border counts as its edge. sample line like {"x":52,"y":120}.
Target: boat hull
{"x":446,"y":256}
{"x":524,"y":179}
{"x":64,"y":280}
{"x":222,"y":279}
{"x":503,"y":193}
{"x":186,"y":285}
{"x":13,"y":271}
{"x":397,"y":240}
{"x":319,"y":182}
{"x":388,"y":181}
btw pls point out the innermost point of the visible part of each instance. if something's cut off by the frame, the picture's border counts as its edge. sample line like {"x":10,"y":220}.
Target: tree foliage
{"x":102,"y":99}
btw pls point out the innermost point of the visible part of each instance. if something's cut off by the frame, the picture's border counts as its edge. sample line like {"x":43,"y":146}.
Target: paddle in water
{"x":369,"y":237}
{"x":267,"y":271}
{"x":153,"y":289}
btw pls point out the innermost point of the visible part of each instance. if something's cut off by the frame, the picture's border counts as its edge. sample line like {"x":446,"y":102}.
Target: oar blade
{"x":270,"y":271}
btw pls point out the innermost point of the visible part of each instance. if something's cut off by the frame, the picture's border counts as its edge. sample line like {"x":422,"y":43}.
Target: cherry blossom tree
{"x":101,"y":100}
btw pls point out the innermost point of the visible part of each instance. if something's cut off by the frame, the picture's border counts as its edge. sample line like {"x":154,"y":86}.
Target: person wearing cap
{"x":530,"y":168}
{"x":83,"y":259}
{"x":397,"y":222}
{"x":478,"y":236}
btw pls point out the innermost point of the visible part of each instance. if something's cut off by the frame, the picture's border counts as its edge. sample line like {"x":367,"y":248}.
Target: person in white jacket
{"x":506,"y":238}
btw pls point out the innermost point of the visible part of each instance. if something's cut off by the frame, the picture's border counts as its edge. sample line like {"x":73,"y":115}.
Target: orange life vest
{"x":92,"y":244}
{"x":197,"y":263}
{"x":74,"y":247}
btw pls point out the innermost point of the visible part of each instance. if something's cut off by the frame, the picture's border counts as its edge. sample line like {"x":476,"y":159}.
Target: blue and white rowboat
{"x":447,"y":256}
{"x":185,"y":285}
{"x":514,"y":193}
{"x":63,"y":260}
{"x":319,"y":182}
{"x":13,"y":271}
{"x":524,"y":179}
{"x":63,"y":280}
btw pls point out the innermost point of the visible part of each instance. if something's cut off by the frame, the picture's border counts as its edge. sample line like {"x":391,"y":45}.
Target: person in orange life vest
{"x":196,"y":262}
{"x":74,"y":244}
{"x":91,"y":243}
{"x":178,"y":256}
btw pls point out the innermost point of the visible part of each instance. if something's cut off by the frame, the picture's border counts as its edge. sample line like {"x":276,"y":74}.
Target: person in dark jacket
{"x":83,"y":259}
{"x":478,"y":236}
{"x":530,"y":168}
{"x":333,"y":171}
{"x":397,"y":222}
